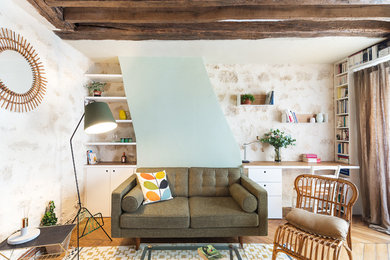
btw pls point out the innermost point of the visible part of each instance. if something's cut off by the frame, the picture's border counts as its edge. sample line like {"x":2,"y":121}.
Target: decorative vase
{"x":278,"y":158}
{"x":320,"y":118}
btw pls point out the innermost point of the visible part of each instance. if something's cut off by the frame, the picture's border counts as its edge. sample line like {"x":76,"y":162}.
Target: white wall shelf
{"x":107,"y":99}
{"x":105,"y":77}
{"x":127,"y":121}
{"x":109,"y":143}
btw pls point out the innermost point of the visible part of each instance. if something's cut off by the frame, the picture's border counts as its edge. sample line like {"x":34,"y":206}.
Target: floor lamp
{"x":97,"y":119}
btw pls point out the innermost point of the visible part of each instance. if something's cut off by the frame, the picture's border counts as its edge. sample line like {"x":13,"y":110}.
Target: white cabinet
{"x":271,"y":180}
{"x":100,"y":181}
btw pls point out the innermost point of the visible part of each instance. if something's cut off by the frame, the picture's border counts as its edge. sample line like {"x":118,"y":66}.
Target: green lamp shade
{"x":98,"y":118}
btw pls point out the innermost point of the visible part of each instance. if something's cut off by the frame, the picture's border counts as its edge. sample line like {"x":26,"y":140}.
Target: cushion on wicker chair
{"x":324,"y":225}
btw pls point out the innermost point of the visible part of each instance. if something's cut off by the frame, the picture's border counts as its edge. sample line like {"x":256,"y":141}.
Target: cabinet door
{"x":119,"y":175}
{"x":275,"y":207}
{"x":97,"y":191}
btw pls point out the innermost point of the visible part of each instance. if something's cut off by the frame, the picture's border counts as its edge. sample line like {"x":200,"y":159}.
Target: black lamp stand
{"x":83,"y":209}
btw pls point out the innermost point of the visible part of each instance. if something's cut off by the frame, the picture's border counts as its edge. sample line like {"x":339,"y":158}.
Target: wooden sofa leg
{"x":137,"y":243}
{"x":240,"y":240}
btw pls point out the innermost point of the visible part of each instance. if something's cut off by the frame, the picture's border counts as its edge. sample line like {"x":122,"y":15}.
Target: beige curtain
{"x":372,"y":89}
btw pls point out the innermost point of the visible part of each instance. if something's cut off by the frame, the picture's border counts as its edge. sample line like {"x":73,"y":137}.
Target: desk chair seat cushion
{"x":323,"y":225}
{"x":246,"y":200}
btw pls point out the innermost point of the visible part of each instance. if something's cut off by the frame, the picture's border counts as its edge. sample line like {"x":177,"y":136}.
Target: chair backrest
{"x":324,"y":195}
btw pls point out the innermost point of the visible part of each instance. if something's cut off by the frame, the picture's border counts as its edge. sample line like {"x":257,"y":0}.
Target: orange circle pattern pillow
{"x":154,"y":186}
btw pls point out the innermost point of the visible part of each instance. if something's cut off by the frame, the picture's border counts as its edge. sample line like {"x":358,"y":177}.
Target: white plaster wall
{"x":301,"y":88}
{"x":35,"y":161}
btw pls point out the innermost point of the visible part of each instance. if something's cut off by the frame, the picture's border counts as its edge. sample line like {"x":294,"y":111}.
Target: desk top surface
{"x":298,"y":165}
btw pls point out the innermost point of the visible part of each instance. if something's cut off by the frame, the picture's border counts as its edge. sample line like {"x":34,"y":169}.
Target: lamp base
{"x":22,"y":237}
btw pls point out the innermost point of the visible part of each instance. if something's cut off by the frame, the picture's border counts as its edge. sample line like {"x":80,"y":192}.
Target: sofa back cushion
{"x":208,"y":182}
{"x":177,"y":179}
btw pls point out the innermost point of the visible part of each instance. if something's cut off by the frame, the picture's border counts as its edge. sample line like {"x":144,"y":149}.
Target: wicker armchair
{"x":320,"y":195}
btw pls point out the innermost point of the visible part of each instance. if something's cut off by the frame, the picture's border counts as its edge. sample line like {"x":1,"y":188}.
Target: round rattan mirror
{"x":22,"y":85}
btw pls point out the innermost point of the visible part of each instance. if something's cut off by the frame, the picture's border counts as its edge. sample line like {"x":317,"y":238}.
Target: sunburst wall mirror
{"x":22,"y":85}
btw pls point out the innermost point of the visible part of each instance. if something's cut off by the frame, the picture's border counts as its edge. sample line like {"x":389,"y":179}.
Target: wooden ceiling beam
{"x":213,"y":14}
{"x":226,"y":30}
{"x":202,"y":3}
{"x":53,"y":14}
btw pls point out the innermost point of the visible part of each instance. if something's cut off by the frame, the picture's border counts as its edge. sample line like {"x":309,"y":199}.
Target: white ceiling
{"x":269,"y":51}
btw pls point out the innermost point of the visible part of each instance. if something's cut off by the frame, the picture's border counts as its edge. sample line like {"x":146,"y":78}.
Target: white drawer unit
{"x":271,"y":180}
{"x":100,"y":181}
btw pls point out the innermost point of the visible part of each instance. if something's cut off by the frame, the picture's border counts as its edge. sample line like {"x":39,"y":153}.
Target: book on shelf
{"x":342,"y":80}
{"x":342,"y":93}
{"x":269,"y":98}
{"x":341,"y":68}
{"x":312,"y":160}
{"x":343,"y":148}
{"x":343,"y":158}
{"x":371,"y":53}
{"x":342,"y":106}
{"x":290,"y":116}
{"x":309,"y":155}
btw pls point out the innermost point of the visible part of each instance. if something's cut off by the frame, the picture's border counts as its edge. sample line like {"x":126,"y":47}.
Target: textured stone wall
{"x":35,"y":159}
{"x":300,"y":88}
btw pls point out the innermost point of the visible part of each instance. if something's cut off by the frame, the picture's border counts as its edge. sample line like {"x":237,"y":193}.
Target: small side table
{"x":50,"y":237}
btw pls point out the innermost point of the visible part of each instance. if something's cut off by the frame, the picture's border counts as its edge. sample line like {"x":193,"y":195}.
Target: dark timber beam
{"x":53,"y":14}
{"x":226,"y":30}
{"x":202,"y":3}
{"x":213,"y":14}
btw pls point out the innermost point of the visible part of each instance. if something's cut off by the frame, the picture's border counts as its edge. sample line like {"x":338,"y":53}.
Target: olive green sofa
{"x":202,"y":206}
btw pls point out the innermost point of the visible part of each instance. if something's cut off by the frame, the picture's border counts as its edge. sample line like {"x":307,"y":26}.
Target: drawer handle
{"x":265,"y":185}
{"x":265,"y":171}
{"x":106,"y":170}
{"x":113,"y":170}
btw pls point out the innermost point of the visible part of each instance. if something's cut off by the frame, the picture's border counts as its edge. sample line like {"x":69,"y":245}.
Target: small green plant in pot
{"x":96,"y":88}
{"x":49,"y":218}
{"x":277,"y":139}
{"x":247,"y":99}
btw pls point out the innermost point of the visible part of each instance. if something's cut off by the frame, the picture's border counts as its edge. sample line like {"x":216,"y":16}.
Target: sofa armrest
{"x":262,"y":199}
{"x":116,"y":200}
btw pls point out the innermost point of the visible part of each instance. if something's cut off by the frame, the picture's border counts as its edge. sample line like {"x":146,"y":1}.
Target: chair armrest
{"x":116,"y":200}
{"x":262,"y":199}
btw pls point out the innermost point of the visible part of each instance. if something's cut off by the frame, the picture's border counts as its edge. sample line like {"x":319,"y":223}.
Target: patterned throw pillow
{"x":154,"y":186}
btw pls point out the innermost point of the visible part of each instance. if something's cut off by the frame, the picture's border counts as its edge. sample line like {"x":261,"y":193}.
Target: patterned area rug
{"x":250,"y":252}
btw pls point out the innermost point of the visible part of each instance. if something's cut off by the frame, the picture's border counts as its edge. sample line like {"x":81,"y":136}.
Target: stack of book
{"x":269,"y":99}
{"x":290,"y":116}
{"x":311,"y":158}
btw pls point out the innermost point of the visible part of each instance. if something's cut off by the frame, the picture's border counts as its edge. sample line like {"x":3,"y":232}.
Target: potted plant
{"x":247,"y":99}
{"x":277,"y":139}
{"x":50,"y":219}
{"x":96,"y":88}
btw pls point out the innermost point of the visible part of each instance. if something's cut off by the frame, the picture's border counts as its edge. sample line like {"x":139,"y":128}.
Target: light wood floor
{"x":367,"y":243}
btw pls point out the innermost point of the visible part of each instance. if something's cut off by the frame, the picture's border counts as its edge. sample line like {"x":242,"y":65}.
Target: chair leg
{"x":241,"y":243}
{"x":274,"y":253}
{"x":349,"y":251}
{"x":137,"y":243}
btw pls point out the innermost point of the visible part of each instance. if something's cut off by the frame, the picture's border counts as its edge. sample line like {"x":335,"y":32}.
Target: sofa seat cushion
{"x":215,"y":212}
{"x":172,"y":213}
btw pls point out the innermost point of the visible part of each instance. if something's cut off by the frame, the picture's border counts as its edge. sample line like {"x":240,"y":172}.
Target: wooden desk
{"x":269,"y":176}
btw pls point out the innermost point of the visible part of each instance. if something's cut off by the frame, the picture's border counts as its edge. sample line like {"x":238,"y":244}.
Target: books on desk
{"x":310,"y":158}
